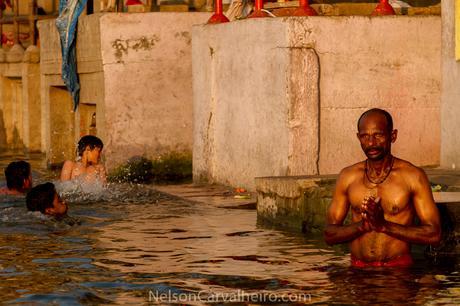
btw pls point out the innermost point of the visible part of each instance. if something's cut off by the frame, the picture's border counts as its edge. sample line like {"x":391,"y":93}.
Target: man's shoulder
{"x":350,"y":172}
{"x":407,"y":166}
{"x":408,"y":169}
{"x":358,"y":167}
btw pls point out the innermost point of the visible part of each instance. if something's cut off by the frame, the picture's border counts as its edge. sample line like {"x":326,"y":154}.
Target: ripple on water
{"x":132,"y":240}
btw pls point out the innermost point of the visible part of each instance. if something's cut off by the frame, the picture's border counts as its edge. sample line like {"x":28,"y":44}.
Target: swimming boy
{"x":385,"y":194}
{"x":87,"y":165}
{"x":44,"y":198}
{"x":18,"y":177}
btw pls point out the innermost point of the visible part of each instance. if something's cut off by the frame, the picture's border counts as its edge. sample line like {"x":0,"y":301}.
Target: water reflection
{"x":137,"y":241}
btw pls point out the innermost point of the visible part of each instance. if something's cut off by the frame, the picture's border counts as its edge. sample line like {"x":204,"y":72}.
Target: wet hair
{"x":15,"y":174}
{"x":41,"y":197}
{"x":88,"y":141}
{"x":379,"y":111}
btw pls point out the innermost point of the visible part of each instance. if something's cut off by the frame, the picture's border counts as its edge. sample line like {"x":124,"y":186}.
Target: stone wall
{"x":19,"y":103}
{"x":147,"y":67}
{"x":450,"y":108}
{"x":61,"y":127}
{"x":135,"y":75}
{"x":281,"y":96}
{"x":294,"y":203}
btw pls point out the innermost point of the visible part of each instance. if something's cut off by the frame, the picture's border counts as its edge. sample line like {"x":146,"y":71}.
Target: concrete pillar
{"x":31,"y":100}
{"x":450,"y":108}
{"x":12,"y":106}
{"x":61,"y":126}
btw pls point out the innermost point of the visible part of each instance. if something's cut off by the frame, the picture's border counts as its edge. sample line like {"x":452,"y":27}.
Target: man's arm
{"x":335,"y":231}
{"x":429,"y":230}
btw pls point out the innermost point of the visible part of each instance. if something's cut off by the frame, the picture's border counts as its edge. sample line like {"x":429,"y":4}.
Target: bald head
{"x":377,"y":112}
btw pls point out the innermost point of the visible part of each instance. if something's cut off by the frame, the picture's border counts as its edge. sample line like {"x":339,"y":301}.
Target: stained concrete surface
{"x":281,"y":96}
{"x":135,"y":70}
{"x":450,"y":108}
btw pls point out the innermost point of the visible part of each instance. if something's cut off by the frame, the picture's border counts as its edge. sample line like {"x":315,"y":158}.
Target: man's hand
{"x":373,"y":213}
{"x":365,"y":225}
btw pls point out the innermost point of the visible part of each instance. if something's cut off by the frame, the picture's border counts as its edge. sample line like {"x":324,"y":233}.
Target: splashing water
{"x":80,"y":191}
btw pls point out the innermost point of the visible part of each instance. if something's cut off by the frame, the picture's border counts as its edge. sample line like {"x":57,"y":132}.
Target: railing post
{"x":383,"y":8}
{"x":258,"y":13}
{"x":304,"y":9}
{"x":218,"y":16}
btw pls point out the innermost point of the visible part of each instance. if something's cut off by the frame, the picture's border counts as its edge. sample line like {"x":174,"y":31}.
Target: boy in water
{"x":44,"y":198}
{"x":18,"y":178}
{"x":87,"y":165}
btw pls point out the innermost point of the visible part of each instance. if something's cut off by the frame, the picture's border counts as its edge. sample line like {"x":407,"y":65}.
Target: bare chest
{"x":79,"y":169}
{"x":395,"y":195}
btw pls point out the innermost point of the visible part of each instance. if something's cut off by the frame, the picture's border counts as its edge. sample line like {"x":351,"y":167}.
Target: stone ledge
{"x":300,"y":202}
{"x":295,"y":203}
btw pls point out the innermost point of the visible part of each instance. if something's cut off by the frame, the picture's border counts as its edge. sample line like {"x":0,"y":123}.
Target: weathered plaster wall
{"x":450,"y":108}
{"x":136,"y":70}
{"x":31,"y":103}
{"x":147,"y":63}
{"x":19,"y":102}
{"x":11,"y":89}
{"x":57,"y":140}
{"x":369,"y":62}
{"x":282,"y":96}
{"x":61,"y":127}
{"x":243,"y":124}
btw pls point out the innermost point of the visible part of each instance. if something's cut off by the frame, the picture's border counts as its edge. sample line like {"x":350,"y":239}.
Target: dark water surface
{"x":141,"y":247}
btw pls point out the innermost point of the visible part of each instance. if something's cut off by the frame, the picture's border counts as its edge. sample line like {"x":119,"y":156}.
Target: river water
{"x":136,"y":246}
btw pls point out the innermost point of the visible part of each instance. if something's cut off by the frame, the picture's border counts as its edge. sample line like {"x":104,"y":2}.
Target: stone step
{"x":300,"y":203}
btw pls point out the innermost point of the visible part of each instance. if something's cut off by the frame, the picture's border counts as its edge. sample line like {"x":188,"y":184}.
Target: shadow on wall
{"x":3,"y":144}
{"x":17,"y":144}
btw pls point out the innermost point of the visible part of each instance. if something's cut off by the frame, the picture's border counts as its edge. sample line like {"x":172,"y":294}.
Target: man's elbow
{"x":329,"y":237}
{"x":435,"y":237}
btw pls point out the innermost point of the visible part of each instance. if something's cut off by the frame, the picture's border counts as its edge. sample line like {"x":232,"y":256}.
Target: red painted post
{"x":383,"y":8}
{"x":218,"y":16}
{"x":304,"y":9}
{"x":258,"y":13}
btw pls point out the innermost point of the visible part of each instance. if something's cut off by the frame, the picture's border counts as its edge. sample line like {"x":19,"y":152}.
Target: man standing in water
{"x":384,"y":194}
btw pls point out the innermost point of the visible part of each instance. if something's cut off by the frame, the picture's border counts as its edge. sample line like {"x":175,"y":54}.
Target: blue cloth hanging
{"x":66,"y":23}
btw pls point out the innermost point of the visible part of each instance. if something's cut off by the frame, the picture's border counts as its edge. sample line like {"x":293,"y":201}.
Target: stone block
{"x":32,"y":55}
{"x":294,"y":203}
{"x":15,"y":54}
